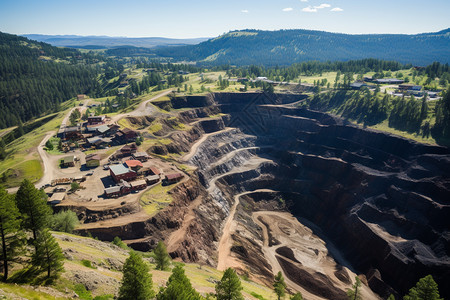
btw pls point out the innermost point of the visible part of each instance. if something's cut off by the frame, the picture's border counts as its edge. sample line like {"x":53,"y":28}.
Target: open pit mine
{"x":272,"y":186}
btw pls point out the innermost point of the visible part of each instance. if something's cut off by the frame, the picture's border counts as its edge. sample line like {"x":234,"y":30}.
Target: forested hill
{"x":35,"y":78}
{"x":285,"y":47}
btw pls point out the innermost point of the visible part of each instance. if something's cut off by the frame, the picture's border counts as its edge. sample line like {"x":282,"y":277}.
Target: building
{"x":72,"y":133}
{"x":388,"y":81}
{"x":93,"y":160}
{"x":126,"y":135}
{"x":173,"y":178}
{"x":357,"y":85}
{"x":409,"y":87}
{"x":138,"y":185}
{"x":120,"y":172}
{"x":56,"y":198}
{"x":99,"y":142}
{"x":134,"y":164}
{"x":141,"y":156}
{"x":154,"y":171}
{"x":113,"y":191}
{"x":81,"y":97}
{"x":127,"y":150}
{"x":96,"y":120}
{"x":152,"y":179}
{"x":68,"y":161}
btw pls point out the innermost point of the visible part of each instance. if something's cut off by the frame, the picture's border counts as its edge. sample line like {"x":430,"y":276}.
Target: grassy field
{"x":85,"y":249}
{"x":156,"y":198}
{"x":23,"y":150}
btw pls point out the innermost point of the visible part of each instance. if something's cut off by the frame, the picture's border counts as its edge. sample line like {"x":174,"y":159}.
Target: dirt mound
{"x":316,"y":283}
{"x":287,"y":253}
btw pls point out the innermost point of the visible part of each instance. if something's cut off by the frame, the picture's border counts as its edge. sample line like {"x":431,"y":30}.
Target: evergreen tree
{"x":137,"y":281}
{"x":391,"y":297}
{"x":279,"y":286}
{"x":10,"y":234}
{"x":229,"y":287}
{"x":178,"y":287}
{"x":161,"y":256}
{"x":49,"y":145}
{"x":48,"y":255}
{"x":355,"y":293}
{"x":32,"y":204}
{"x":425,"y":289}
{"x":297,"y":296}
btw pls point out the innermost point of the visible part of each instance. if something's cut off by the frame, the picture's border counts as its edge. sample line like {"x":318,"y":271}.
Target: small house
{"x":81,"y":97}
{"x":96,"y":120}
{"x":357,"y":85}
{"x":126,"y":135}
{"x":141,"y":156}
{"x":154,"y":170}
{"x":152,"y":179}
{"x":173,"y":178}
{"x":72,"y":133}
{"x":138,"y":185}
{"x":93,"y":160}
{"x":127,"y":150}
{"x":120,"y":172}
{"x":68,"y":161}
{"x":113,"y":191}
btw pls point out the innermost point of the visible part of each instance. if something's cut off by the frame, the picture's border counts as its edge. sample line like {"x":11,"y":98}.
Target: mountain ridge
{"x":283,"y":47}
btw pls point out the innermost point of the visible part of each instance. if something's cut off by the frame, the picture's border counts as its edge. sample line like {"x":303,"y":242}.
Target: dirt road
{"x":225,"y":260}
{"x":143,"y":109}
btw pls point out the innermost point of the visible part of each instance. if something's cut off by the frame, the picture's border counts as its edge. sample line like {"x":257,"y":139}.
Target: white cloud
{"x":309,"y":9}
{"x":303,"y":0}
{"x":323,"y":5}
{"x":288,"y":9}
{"x":244,"y":11}
{"x":337,"y":9}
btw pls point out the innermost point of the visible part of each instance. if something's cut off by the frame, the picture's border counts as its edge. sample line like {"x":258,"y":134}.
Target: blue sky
{"x":200,"y":18}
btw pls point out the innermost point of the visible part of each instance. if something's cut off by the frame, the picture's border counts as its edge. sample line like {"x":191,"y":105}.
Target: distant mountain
{"x":285,"y":47}
{"x":92,"y":42}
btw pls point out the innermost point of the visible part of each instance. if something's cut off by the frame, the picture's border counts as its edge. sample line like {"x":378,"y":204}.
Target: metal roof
{"x":113,"y":189}
{"x":119,"y":169}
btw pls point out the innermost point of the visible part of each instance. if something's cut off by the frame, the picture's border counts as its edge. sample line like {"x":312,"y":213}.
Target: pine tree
{"x":32,"y":204}
{"x":425,"y":289}
{"x":48,"y":255}
{"x":355,"y":293}
{"x":391,"y":297}
{"x":279,"y":286}
{"x":137,"y":281}
{"x":229,"y":287}
{"x":178,"y":287}
{"x":297,"y":296}
{"x":161,"y":256}
{"x":12,"y":238}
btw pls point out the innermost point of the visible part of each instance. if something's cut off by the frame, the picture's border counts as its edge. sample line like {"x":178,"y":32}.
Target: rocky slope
{"x":380,"y":199}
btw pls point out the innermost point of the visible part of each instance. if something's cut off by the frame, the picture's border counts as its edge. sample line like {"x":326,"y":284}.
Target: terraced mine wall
{"x":381,"y":199}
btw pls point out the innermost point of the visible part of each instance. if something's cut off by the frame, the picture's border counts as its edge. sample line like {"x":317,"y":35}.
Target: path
{"x":143,"y":109}
{"x":225,"y":260}
{"x":197,"y":144}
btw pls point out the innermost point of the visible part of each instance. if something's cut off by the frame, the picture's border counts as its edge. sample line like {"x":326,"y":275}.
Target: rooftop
{"x":68,"y":159}
{"x":113,"y":189}
{"x":174,"y":176}
{"x":133,"y":163}
{"x":138,"y":183}
{"x":119,"y":169}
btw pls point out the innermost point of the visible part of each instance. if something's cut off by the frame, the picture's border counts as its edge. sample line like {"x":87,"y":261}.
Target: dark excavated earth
{"x":381,"y":199}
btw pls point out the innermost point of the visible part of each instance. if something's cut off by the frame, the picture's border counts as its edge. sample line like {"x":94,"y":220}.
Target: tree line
{"x":25,"y":221}
{"x":32,"y":83}
{"x":403,"y":113}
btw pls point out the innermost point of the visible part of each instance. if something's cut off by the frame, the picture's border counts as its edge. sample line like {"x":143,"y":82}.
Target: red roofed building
{"x":173,"y":178}
{"x":134,"y":164}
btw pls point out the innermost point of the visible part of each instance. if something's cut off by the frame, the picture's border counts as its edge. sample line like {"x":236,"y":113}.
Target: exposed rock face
{"x":381,"y":200}
{"x":384,"y":201}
